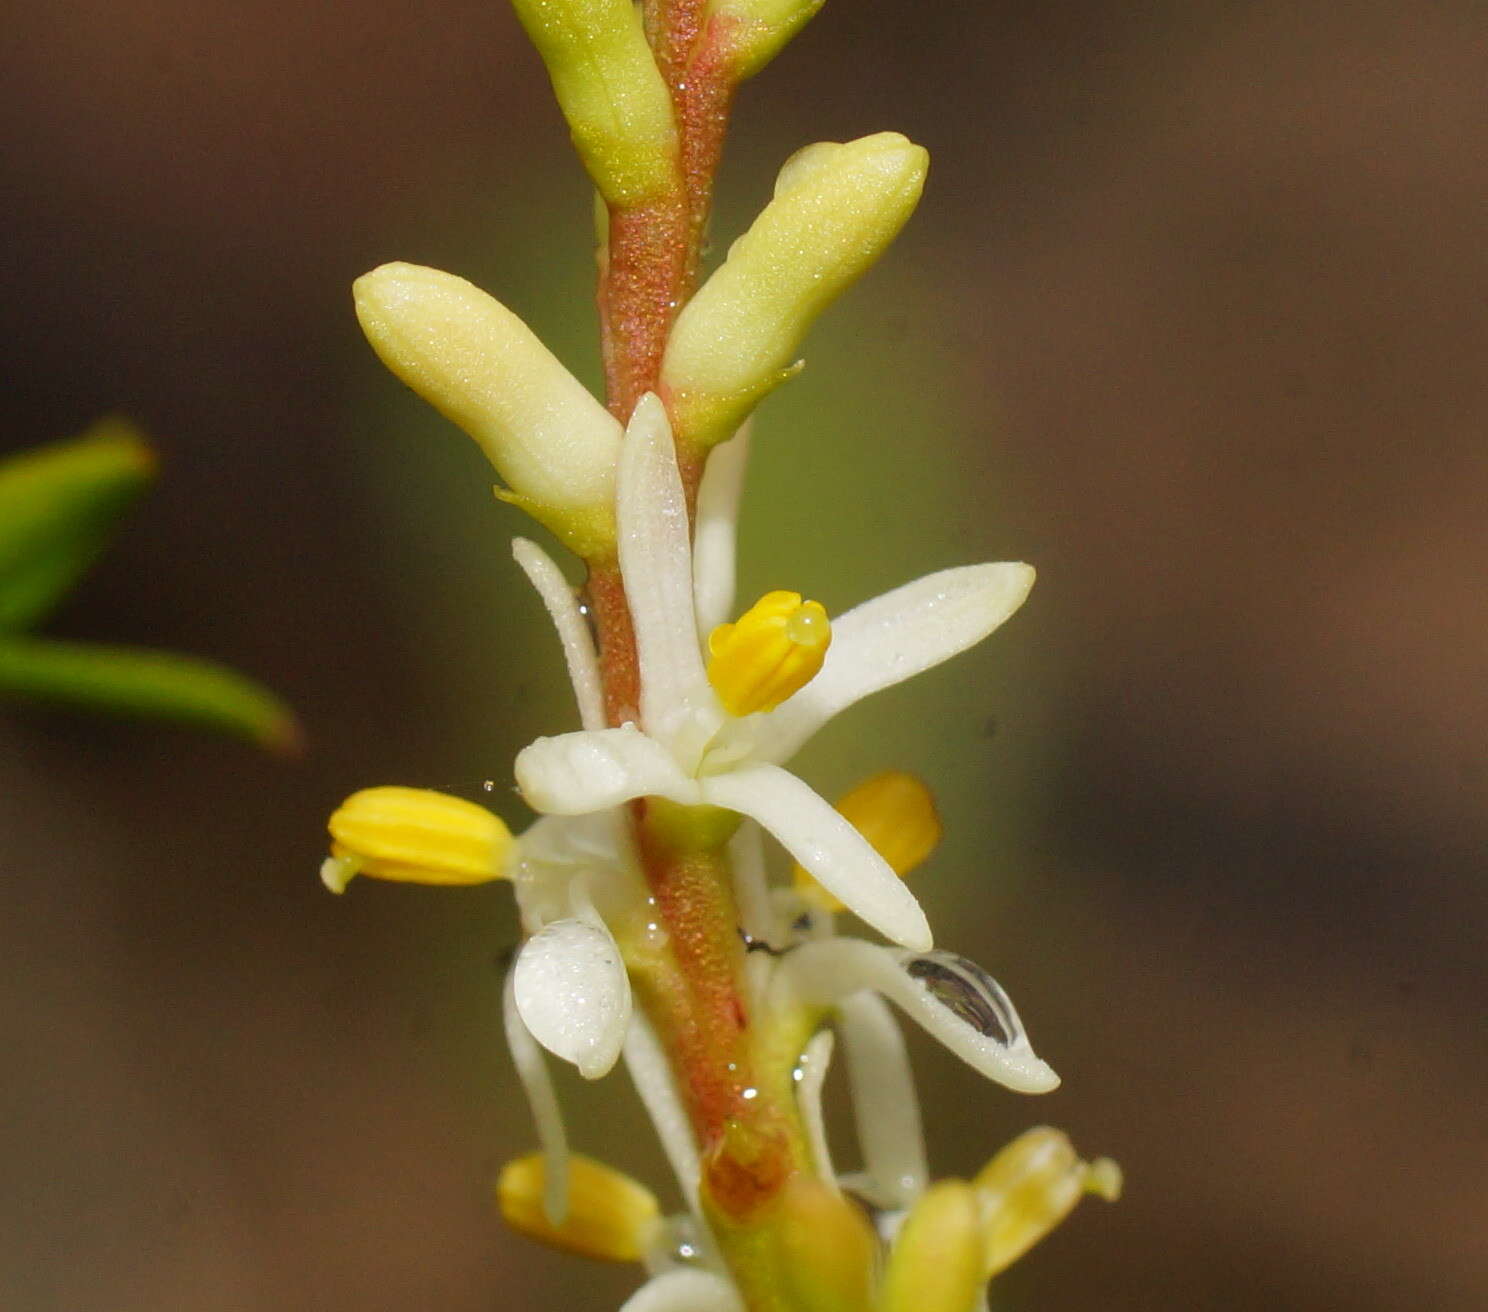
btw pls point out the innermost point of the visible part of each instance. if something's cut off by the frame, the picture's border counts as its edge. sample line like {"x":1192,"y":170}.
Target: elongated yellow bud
{"x":482,"y":367}
{"x":895,"y":812}
{"x":826,"y":1249}
{"x":610,"y":1216}
{"x":738,"y":337}
{"x":753,"y":31}
{"x":769,"y":653}
{"x":1031,"y":1186}
{"x":610,"y":90}
{"x":937,"y":1261}
{"x":415,"y":836}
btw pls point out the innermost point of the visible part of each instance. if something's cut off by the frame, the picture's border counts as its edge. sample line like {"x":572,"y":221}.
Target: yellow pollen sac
{"x":610,"y":1216}
{"x":1031,"y":1186}
{"x":896,"y":813}
{"x":769,"y":653}
{"x":416,"y":836}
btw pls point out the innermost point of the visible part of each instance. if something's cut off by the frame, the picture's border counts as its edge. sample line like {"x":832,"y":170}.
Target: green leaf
{"x":145,"y":684}
{"x":58,"y":509}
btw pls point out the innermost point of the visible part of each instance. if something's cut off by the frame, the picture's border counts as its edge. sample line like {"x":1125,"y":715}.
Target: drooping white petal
{"x":656,"y":563}
{"x":574,"y":773}
{"x":827,"y":971}
{"x":884,"y":1103}
{"x":573,"y":633}
{"x":572,"y":993}
{"x":832,"y":851}
{"x":537,"y":1084}
{"x":685,"y":1291}
{"x":893,"y":637}
{"x":815,"y":1060}
{"x":715,"y":531}
{"x":651,"y":1073}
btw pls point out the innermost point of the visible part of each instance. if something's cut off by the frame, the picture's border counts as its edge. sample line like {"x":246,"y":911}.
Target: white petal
{"x":575,"y":773}
{"x":884,"y":1102}
{"x":572,"y":993}
{"x":832,"y":851}
{"x":893,"y":637}
{"x":573,"y":633}
{"x":685,"y":1291}
{"x":814,"y":1063}
{"x":751,"y":883}
{"x":651,"y":1073}
{"x":537,"y":1084}
{"x":827,"y":971}
{"x":715,"y":532}
{"x":656,"y":563}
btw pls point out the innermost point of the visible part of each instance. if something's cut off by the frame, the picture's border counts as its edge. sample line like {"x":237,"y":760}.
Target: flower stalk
{"x":652,"y":929}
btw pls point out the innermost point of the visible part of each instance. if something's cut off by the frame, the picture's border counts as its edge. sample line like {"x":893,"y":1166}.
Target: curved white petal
{"x":884,"y":1103}
{"x":832,"y":969}
{"x":685,"y":1291}
{"x":832,"y":851}
{"x":537,"y":1084}
{"x":751,"y":882}
{"x":814,"y":1063}
{"x":573,"y":633}
{"x":656,"y":563}
{"x":572,"y":993}
{"x":651,"y":1073}
{"x":715,"y":531}
{"x":893,"y":637}
{"x":574,"y":773}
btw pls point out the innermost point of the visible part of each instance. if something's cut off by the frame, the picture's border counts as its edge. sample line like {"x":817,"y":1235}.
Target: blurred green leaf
{"x":58,"y":508}
{"x":146,"y":684}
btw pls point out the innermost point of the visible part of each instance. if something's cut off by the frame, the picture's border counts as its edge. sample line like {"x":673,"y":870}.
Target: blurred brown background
{"x":1193,"y":317}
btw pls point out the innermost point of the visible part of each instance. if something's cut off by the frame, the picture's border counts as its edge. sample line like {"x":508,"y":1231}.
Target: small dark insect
{"x":968,"y":992}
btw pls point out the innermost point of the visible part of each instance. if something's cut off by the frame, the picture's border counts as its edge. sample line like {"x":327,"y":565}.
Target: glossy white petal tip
{"x":685,"y":1291}
{"x":573,"y":995}
{"x":952,"y":999}
{"x":575,"y":773}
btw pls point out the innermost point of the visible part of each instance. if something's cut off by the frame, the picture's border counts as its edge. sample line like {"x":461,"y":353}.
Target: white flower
{"x":686,"y":747}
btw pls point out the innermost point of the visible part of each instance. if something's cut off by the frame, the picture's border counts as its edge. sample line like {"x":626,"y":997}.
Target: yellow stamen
{"x":770,"y":653}
{"x":895,"y":812}
{"x":416,"y":836}
{"x":610,"y":1216}
{"x":937,"y":1260}
{"x":1031,"y":1186}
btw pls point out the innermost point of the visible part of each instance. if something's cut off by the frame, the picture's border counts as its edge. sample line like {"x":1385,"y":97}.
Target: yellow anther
{"x":1031,"y":1186}
{"x":895,"y":812}
{"x":610,"y":1216}
{"x":414,"y":836}
{"x":937,"y":1260}
{"x":770,"y":653}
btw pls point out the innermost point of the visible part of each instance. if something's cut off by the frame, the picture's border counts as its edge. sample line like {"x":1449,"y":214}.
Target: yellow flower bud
{"x":482,"y":367}
{"x":826,"y":1248}
{"x":895,"y":812}
{"x":737,"y":338}
{"x":610,"y":90}
{"x":1031,"y":1186}
{"x":610,"y":1216}
{"x":414,"y":836}
{"x":769,"y":653}
{"x":937,"y":1261}
{"x":753,"y":31}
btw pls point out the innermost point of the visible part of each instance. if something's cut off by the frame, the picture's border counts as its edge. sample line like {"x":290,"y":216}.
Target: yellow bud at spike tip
{"x":896,"y":813}
{"x":1031,"y":1186}
{"x":415,"y":836}
{"x":610,"y":1216}
{"x":770,"y":653}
